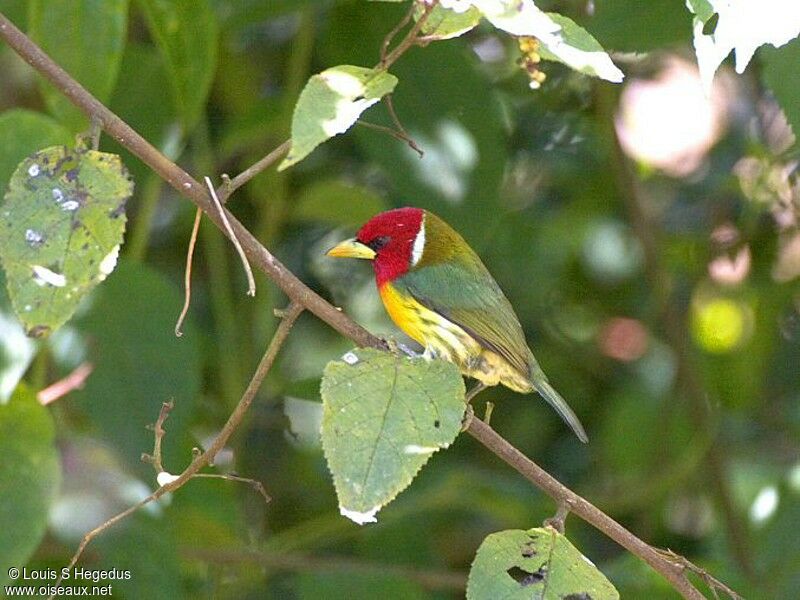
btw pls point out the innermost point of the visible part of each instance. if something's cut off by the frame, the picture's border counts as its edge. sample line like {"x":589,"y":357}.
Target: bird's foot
{"x":477,"y":389}
{"x":398,"y":348}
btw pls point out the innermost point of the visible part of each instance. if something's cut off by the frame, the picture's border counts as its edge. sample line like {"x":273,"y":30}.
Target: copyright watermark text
{"x":74,"y":581}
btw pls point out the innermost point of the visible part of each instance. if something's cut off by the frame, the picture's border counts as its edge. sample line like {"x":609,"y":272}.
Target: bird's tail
{"x":555,"y":400}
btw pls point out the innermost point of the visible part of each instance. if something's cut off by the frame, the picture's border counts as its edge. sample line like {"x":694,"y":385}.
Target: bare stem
{"x":187,"y":276}
{"x":205,"y":458}
{"x":251,"y":283}
{"x":158,"y":436}
{"x":227,"y":189}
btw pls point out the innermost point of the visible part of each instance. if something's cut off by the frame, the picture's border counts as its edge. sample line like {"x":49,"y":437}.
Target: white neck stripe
{"x":419,"y":243}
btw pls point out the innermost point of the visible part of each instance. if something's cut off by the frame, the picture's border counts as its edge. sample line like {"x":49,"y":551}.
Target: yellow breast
{"x":446,"y":340}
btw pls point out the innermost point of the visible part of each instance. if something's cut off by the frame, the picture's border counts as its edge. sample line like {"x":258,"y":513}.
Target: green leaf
{"x":338,"y":202}
{"x":86,"y":38}
{"x":576,"y":48}
{"x":187,"y":34}
{"x":331,"y":103}
{"x":780,"y":74}
{"x":139,"y":363}
{"x":23,"y":132}
{"x":30,"y":475}
{"x":539,"y":564}
{"x":561,"y":37}
{"x":445,"y":23}
{"x":383,"y":416}
{"x":62,"y":222}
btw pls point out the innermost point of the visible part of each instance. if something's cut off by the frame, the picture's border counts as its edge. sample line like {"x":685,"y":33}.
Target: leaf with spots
{"x":62,"y":223}
{"x":383,"y":416}
{"x":538,"y":564}
{"x":331,"y":103}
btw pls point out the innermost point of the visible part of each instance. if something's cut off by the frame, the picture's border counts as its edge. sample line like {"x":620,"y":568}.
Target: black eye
{"x":378,"y":242}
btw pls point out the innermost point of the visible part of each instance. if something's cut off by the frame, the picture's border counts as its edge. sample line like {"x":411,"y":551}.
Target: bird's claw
{"x":398,"y":348}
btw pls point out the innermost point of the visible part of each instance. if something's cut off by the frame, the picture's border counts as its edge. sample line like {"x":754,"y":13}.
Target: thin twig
{"x":187,"y":276}
{"x":391,"y":35}
{"x":712,"y":582}
{"x":205,"y":458}
{"x":405,"y":135}
{"x":62,"y":387}
{"x":158,"y":436}
{"x":231,"y":185}
{"x":409,"y":40}
{"x":557,"y":520}
{"x":254,"y":483}
{"x":398,"y":135}
{"x":251,"y":282}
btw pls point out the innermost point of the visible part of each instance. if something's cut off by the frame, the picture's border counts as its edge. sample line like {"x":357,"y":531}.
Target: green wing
{"x":466,"y":294}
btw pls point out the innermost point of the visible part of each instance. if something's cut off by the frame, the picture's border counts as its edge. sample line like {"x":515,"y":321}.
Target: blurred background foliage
{"x":646,"y":235}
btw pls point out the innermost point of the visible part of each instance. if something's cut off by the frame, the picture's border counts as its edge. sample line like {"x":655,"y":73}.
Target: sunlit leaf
{"x":383,"y":416}
{"x":186,"y":32}
{"x":560,"y":36}
{"x":539,"y":563}
{"x":576,"y":48}
{"x":741,"y":26}
{"x":62,"y":222}
{"x":444,"y":23}
{"x":86,"y":38}
{"x":331,"y":103}
{"x":30,"y":474}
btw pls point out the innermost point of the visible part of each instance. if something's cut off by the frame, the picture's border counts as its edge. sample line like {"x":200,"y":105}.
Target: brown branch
{"x":411,"y":38}
{"x":673,"y":571}
{"x":428,"y":578}
{"x":305,"y":298}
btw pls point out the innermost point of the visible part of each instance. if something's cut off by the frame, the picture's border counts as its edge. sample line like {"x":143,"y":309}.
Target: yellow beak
{"x":351,"y":248}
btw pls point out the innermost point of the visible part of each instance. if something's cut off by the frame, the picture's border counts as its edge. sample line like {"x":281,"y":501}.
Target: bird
{"x":438,"y":291}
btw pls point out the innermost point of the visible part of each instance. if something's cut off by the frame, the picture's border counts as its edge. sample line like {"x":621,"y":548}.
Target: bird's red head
{"x":397,"y":237}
